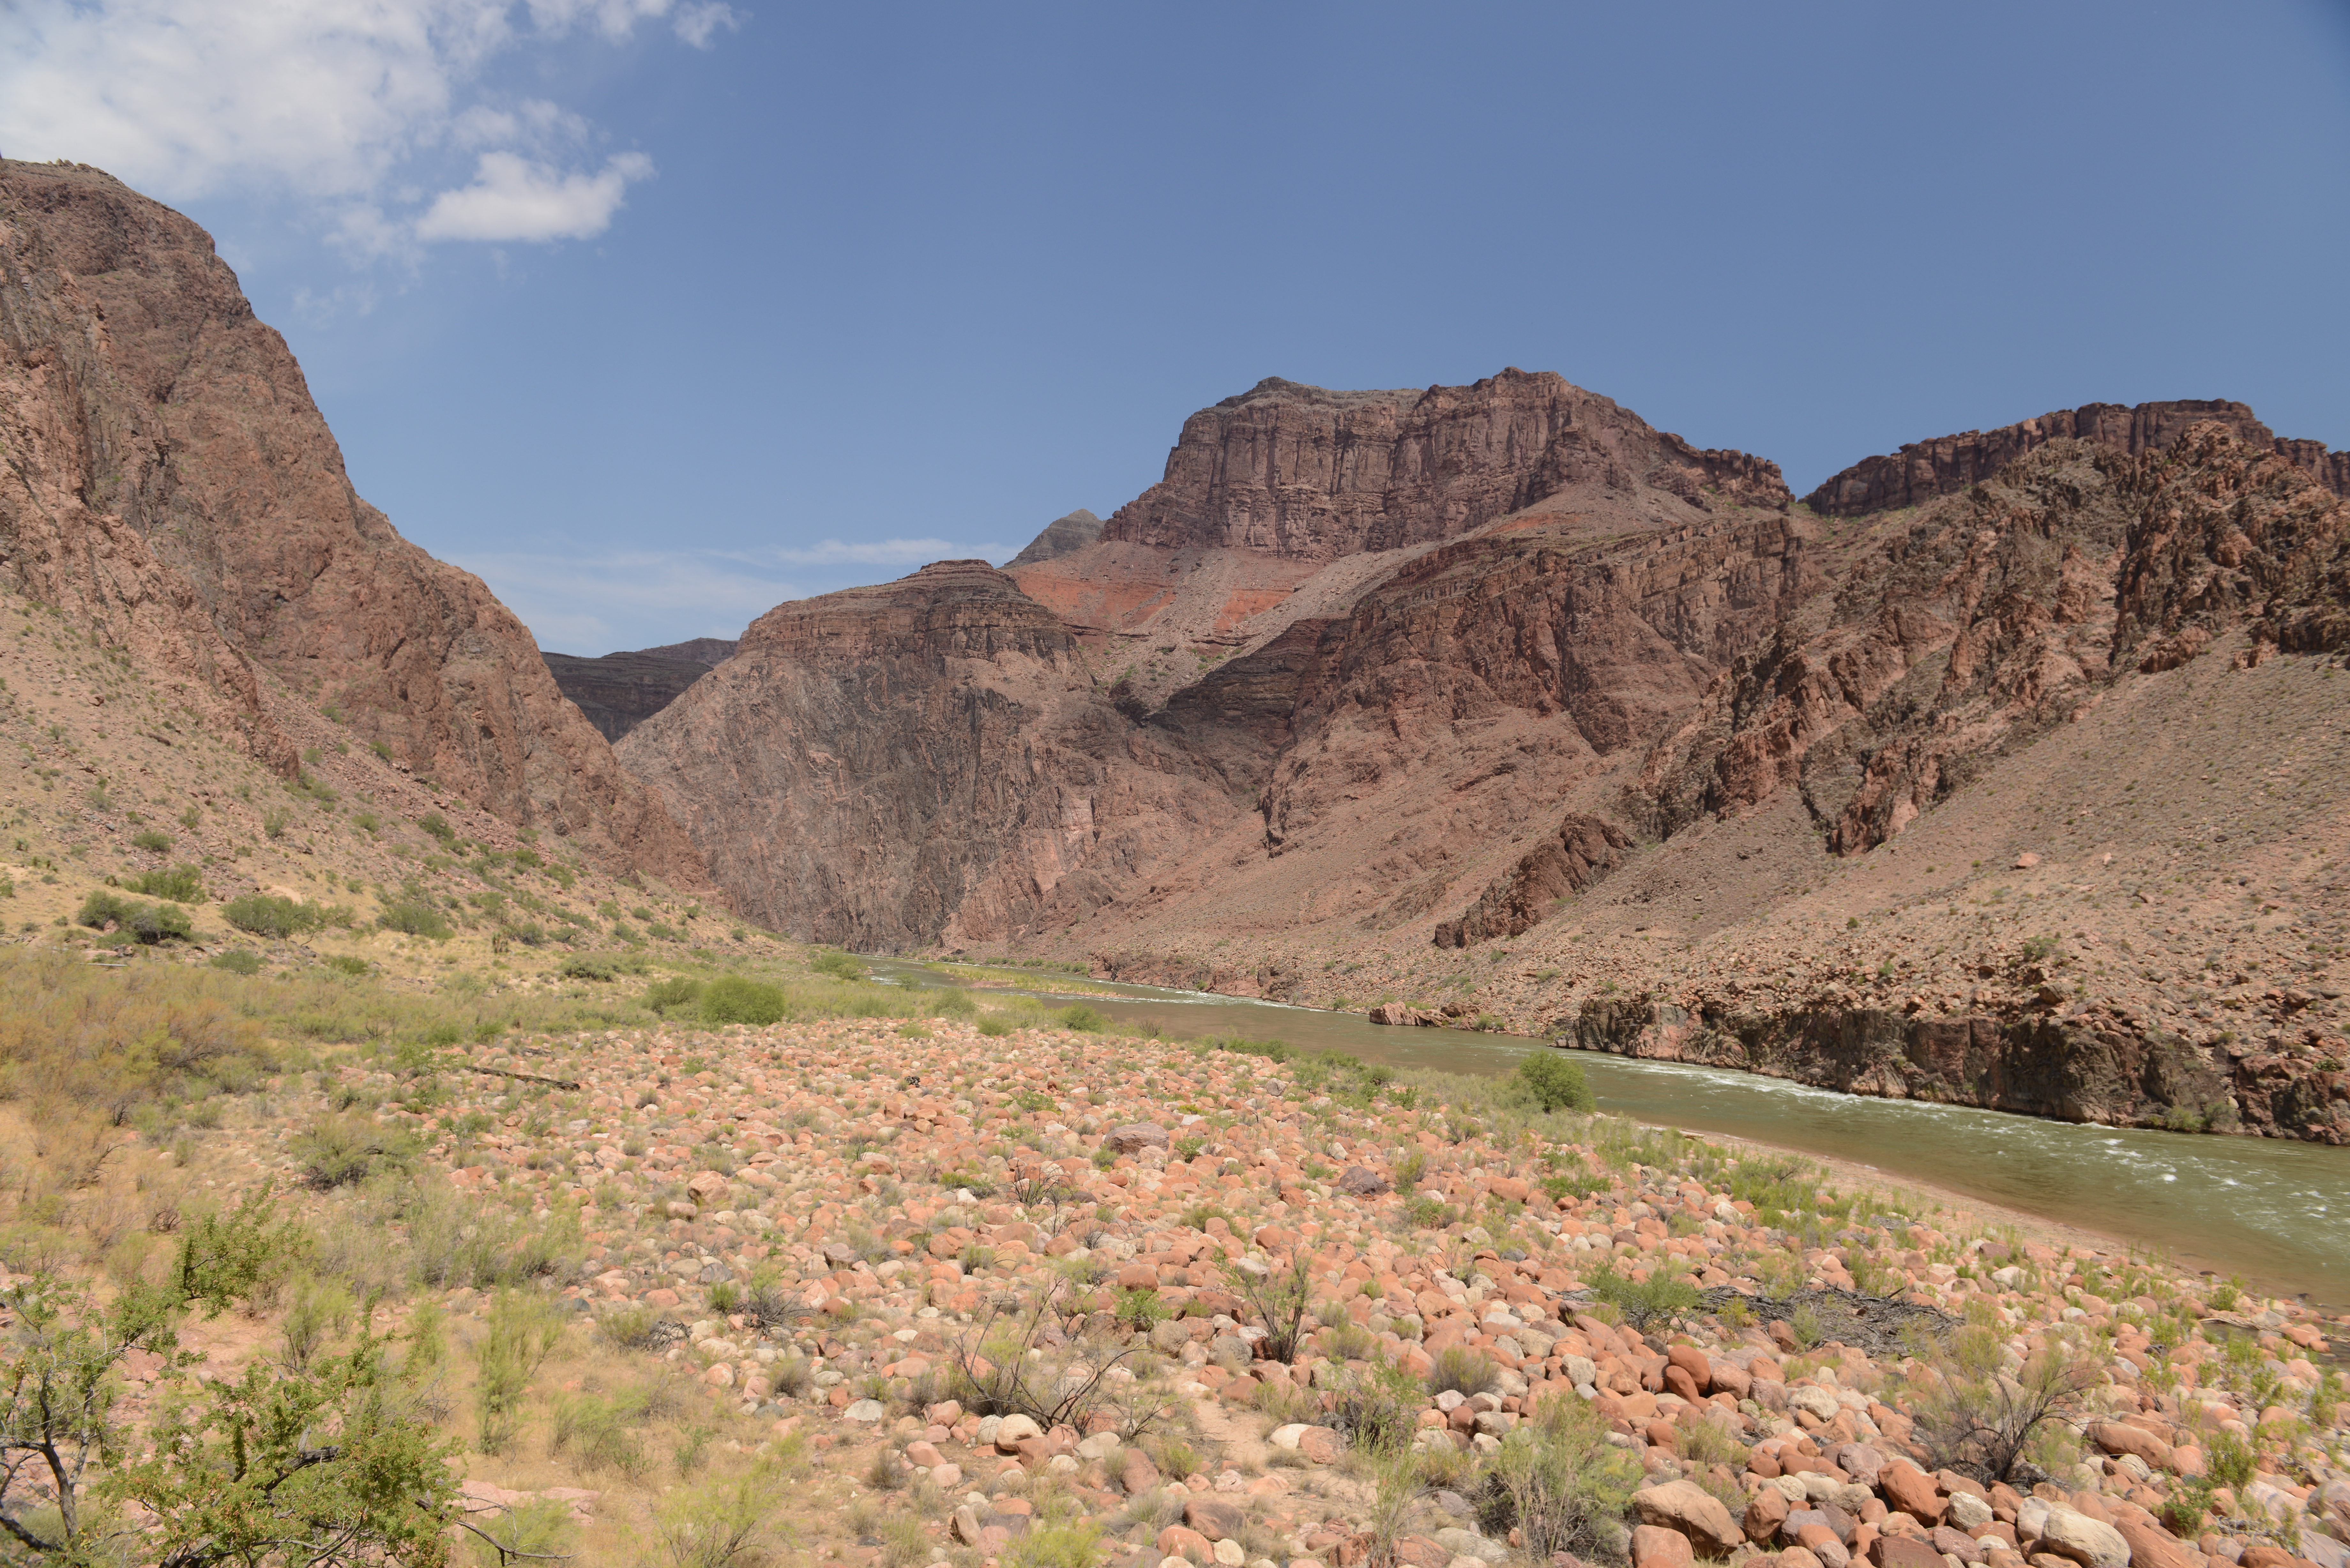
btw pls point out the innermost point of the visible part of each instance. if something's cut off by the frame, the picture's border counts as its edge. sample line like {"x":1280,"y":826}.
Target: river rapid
{"x":2275,"y":1212}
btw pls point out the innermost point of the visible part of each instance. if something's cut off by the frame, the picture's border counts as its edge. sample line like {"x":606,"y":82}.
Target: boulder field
{"x":828,"y":1223}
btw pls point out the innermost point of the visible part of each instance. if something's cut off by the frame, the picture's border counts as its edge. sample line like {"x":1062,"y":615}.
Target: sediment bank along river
{"x":2277,"y":1213}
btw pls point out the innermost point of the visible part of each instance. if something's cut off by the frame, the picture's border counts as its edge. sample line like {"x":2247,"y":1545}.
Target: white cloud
{"x":355,"y":106}
{"x":512,"y":198}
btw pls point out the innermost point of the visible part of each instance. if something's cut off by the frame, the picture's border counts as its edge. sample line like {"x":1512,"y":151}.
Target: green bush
{"x":1644,"y":1303}
{"x":1081,"y":1018}
{"x":1554,"y":1082}
{"x":1556,"y":1481}
{"x":433,"y":823}
{"x":265,"y":916}
{"x":343,"y":1150}
{"x":148,"y":923}
{"x":731,"y":999}
{"x":347,"y":963}
{"x":1461,"y":1370}
{"x":678,"y":991}
{"x":415,"y":917}
{"x":995,"y":1026}
{"x":181,"y":884}
{"x":153,"y":842}
{"x":238,"y":961}
{"x":585,"y":966}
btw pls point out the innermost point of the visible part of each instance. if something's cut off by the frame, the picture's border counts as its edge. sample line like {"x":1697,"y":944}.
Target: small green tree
{"x":1554,"y":1082}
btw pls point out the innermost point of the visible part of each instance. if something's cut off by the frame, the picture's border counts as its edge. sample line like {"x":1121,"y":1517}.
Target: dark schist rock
{"x":621,"y":691}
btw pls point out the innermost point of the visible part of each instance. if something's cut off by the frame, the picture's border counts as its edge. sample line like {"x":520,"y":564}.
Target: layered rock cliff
{"x":927,"y":762}
{"x":1309,"y":473}
{"x":621,"y":691}
{"x":1923,"y":470}
{"x":1064,"y":535}
{"x":172,"y":481}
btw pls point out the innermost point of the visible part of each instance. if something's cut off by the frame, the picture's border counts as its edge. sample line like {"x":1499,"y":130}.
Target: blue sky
{"x":657,"y":312}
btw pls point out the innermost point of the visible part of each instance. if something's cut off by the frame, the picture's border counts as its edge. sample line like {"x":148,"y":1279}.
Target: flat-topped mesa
{"x":947,"y":609}
{"x":1947,"y":464}
{"x":1313,"y":474}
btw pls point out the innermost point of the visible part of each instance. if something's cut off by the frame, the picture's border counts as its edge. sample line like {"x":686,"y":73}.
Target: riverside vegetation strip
{"x":818,"y":1291}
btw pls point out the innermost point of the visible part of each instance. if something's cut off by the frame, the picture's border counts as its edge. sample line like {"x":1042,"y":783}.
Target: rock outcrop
{"x":621,"y":691}
{"x":1305,"y":472}
{"x":1577,"y":856}
{"x":924,"y":762}
{"x":2005,"y":611}
{"x":1065,"y":535}
{"x":1923,"y":470}
{"x":171,"y":480}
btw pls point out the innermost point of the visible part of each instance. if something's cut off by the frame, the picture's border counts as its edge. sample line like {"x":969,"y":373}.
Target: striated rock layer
{"x":172,"y":482}
{"x":621,"y":691}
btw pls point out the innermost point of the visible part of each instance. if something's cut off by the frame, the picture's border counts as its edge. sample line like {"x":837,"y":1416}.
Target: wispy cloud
{"x":373,"y":110}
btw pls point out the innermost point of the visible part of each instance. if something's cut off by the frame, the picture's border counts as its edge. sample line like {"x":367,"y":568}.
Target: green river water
{"x":2277,"y":1213}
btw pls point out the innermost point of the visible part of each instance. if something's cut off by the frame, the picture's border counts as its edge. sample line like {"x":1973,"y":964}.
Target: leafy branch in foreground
{"x":331,"y":1465}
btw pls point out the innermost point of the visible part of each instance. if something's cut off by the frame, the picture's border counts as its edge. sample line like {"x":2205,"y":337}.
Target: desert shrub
{"x":995,"y":1026}
{"x":433,"y":823}
{"x":1556,"y":1480}
{"x":1140,"y":1308}
{"x":416,"y":918}
{"x":238,"y":961}
{"x":343,"y":1150}
{"x":535,"y":1528}
{"x":1461,"y":1370}
{"x":241,"y":1257}
{"x":1081,"y":1018}
{"x":265,"y":915}
{"x":1071,"y":1544}
{"x":1658,"y":1299}
{"x":522,"y":1332}
{"x":1377,"y":1408}
{"x":720,"y":1523}
{"x":732,"y":999}
{"x":839,"y":965}
{"x":677,"y":993}
{"x":1554,"y":1082}
{"x":181,"y":884}
{"x":345,"y":964}
{"x":1973,"y":1417}
{"x":151,"y":841}
{"x":585,"y":966}
{"x":148,"y":923}
{"x":1276,"y":1298}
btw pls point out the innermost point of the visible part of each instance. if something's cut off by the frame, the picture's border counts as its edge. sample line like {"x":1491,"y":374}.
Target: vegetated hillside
{"x":1455,"y":741}
{"x":171,"y":486}
{"x":621,"y":691}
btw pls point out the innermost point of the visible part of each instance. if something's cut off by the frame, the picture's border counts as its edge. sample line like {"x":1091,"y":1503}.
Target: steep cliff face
{"x":926,"y":762}
{"x":1308,"y":473}
{"x":2000,"y":612}
{"x":170,"y":476}
{"x":621,"y":691}
{"x":1923,"y":470}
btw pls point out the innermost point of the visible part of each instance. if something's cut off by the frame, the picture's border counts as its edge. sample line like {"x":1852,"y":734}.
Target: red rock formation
{"x":172,"y":480}
{"x":1305,"y":473}
{"x":2001,"y":611}
{"x":924,"y":762}
{"x":1571,"y":860}
{"x":1924,"y":470}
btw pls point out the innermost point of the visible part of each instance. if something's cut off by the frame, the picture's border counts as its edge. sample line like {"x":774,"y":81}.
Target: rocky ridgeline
{"x":910,"y":1201}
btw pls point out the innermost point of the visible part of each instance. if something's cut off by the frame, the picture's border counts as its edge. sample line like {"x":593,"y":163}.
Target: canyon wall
{"x":172,"y":479}
{"x":1924,"y":470}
